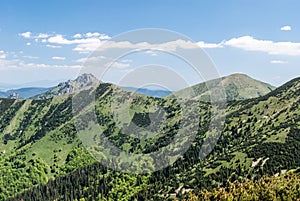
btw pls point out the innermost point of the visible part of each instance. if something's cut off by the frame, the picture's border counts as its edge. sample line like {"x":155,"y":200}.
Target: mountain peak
{"x":82,"y":79}
{"x":85,"y":78}
{"x":238,"y":75}
{"x":81,"y":82}
{"x":238,"y":86}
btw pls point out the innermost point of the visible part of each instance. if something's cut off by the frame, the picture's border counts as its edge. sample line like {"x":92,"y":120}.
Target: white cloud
{"x":28,"y":44}
{"x":2,"y":54}
{"x":19,"y":64}
{"x":286,"y":28}
{"x":81,"y":60}
{"x":91,"y":39}
{"x":126,"y":61}
{"x":31,"y":57}
{"x":84,"y":52}
{"x":6,"y":64}
{"x":104,"y":45}
{"x":35,"y":65}
{"x":249,"y":43}
{"x":97,"y":35}
{"x":53,"y":46}
{"x":42,"y":35}
{"x":77,"y":36}
{"x":26,"y":34}
{"x":59,"y":58}
{"x":104,"y":37}
{"x":204,"y":45}
{"x":59,"y":39}
{"x":94,"y":39}
{"x":90,"y":59}
{"x":278,"y":62}
{"x":85,"y":48}
{"x":167,"y":46}
{"x":89,"y":34}
{"x":151,"y":53}
{"x":118,"y":65}
{"x":85,"y":43}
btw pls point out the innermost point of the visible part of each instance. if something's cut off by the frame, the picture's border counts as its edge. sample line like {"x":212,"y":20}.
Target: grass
{"x":279,"y":136}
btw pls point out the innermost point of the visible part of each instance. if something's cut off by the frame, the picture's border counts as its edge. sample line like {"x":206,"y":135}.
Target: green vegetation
{"x":286,"y":187}
{"x":42,"y":156}
{"x":237,"y":87}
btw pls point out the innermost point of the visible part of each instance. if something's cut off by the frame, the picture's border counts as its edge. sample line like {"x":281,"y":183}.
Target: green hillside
{"x":237,"y":87}
{"x":268,"y":188}
{"x":42,"y":156}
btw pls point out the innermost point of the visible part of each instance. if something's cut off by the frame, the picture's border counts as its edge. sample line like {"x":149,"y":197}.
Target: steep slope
{"x":268,"y":188}
{"x":261,"y":136}
{"x":237,"y":87}
{"x":39,"y":142}
{"x":81,"y":82}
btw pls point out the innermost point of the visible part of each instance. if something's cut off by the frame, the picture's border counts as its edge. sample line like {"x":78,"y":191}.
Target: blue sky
{"x":40,"y":42}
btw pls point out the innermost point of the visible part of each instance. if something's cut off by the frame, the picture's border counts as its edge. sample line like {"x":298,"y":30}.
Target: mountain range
{"x":237,"y":87}
{"x":42,"y":155}
{"x":24,"y":92}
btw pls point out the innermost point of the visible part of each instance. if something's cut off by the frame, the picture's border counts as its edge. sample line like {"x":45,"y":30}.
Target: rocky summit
{"x":81,"y":82}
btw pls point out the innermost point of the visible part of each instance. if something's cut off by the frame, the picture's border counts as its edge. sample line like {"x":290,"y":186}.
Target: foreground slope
{"x":268,"y":188}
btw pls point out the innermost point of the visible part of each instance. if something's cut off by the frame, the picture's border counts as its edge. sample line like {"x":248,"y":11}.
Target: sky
{"x":43,"y":43}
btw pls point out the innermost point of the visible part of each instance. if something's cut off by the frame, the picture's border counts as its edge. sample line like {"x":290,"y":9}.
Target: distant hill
{"x":237,"y":87}
{"x":24,"y":92}
{"x":159,"y":93}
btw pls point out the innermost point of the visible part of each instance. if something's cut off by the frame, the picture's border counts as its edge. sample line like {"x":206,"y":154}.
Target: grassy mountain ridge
{"x":40,"y":143}
{"x":237,"y":87}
